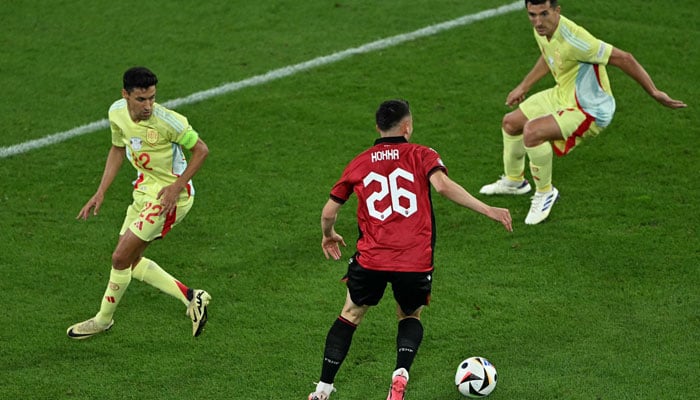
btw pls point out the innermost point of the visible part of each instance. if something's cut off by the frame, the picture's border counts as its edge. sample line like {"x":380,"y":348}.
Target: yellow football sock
{"x":513,"y":156}
{"x":118,"y":282}
{"x":541,"y":165}
{"x":148,"y":271}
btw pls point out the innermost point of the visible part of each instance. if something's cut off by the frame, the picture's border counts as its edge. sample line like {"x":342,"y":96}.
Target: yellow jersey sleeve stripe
{"x":573,"y":40}
{"x":117,"y":105}
{"x":169,"y":119}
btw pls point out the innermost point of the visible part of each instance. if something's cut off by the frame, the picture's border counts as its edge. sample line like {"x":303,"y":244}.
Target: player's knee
{"x":403,"y":312}
{"x":511,"y":124}
{"x":120,"y":260}
{"x":531,"y":138}
{"x":353,"y":314}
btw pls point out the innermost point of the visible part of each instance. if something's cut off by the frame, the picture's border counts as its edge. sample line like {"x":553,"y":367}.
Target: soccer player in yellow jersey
{"x":151,"y":137}
{"x":581,"y":104}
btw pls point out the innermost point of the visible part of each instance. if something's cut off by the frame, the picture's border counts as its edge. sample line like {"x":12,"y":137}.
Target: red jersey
{"x":394,"y":208}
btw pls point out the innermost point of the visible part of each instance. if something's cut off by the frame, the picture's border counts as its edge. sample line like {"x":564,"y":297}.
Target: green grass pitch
{"x":600,"y":302}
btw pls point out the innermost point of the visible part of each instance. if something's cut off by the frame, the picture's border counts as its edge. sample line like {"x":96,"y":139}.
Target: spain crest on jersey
{"x":152,"y":136}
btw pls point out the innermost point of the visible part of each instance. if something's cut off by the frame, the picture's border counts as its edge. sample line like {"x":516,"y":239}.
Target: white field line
{"x":270,"y":76}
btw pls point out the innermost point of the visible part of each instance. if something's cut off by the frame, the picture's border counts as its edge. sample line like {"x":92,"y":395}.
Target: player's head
{"x":140,"y":92}
{"x":139,"y":77}
{"x":552,"y":3}
{"x":544,"y":16}
{"x":394,"y":118}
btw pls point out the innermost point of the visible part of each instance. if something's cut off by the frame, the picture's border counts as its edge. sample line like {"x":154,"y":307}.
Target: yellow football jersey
{"x":577,"y":60}
{"x":152,"y":146}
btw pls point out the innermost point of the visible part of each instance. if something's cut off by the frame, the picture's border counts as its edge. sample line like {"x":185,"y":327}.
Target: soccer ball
{"x":476,"y":377}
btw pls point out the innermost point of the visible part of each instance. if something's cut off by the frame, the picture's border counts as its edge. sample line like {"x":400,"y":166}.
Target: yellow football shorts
{"x":143,"y":220}
{"x":574,"y":123}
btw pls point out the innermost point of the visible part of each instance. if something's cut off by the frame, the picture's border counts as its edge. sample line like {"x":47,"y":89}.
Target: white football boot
{"x":541,"y":205}
{"x":87,"y":328}
{"x":323,"y":391}
{"x":506,"y":186}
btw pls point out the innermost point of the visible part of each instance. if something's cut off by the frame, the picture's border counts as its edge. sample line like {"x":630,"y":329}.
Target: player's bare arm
{"x":517,"y":95}
{"x":456,"y":193}
{"x":630,"y":66}
{"x":115,"y":158}
{"x":169,"y":195}
{"x":331,"y":240}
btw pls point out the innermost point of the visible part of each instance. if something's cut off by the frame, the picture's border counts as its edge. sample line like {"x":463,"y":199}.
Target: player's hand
{"x":666,"y":100}
{"x":168,"y":199}
{"x":502,"y":215}
{"x":94,"y":202}
{"x":516,"y":96}
{"x":330,"y":246}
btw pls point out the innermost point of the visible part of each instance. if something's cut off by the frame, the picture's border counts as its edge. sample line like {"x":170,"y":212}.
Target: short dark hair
{"x":390,"y":113}
{"x":139,"y":77}
{"x":552,"y":3}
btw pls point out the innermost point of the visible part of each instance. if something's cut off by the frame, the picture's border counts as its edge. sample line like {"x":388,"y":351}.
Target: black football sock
{"x":337,"y":346}
{"x":408,"y":340}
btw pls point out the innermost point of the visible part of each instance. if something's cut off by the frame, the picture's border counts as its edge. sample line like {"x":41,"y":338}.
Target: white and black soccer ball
{"x":476,"y":377}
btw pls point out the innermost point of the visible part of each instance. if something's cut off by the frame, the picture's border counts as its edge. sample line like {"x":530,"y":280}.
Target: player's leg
{"x":560,"y":131}
{"x":538,"y":133}
{"x":149,"y":226}
{"x":408,"y":340}
{"x":196,"y":300}
{"x":513,"y":148}
{"x":513,"y":180}
{"x":364,"y":289}
{"x":337,"y":346}
{"x":128,"y":249}
{"x":412,"y":293}
{"x":148,"y":271}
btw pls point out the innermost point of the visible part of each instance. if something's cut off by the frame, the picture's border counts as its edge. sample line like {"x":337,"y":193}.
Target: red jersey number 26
{"x":389,"y":186}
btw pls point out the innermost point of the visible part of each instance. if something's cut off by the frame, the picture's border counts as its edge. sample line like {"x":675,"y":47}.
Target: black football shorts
{"x":411,"y":289}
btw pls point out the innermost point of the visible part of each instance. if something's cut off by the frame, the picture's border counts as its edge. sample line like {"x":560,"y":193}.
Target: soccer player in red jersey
{"x":397,"y":236}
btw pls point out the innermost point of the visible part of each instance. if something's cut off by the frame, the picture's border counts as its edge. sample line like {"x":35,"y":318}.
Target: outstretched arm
{"x":114,"y":161}
{"x":517,"y":95}
{"x":331,"y":240}
{"x":630,"y":66}
{"x":455,"y":192}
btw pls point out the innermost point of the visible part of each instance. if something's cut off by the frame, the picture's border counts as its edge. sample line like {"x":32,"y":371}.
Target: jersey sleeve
{"x":117,"y":134}
{"x":176,"y":124}
{"x":343,"y":188}
{"x":432,"y":162}
{"x":179,"y":136}
{"x":590,"y":50}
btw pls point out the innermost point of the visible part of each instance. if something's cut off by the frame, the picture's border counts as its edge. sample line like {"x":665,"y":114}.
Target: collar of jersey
{"x":391,"y":139}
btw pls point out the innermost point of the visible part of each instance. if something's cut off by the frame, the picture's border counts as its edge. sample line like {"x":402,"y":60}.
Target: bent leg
{"x":142,"y":227}
{"x":150,"y":272}
{"x":129,"y":249}
{"x":513,"y":147}
{"x":537,"y":134}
